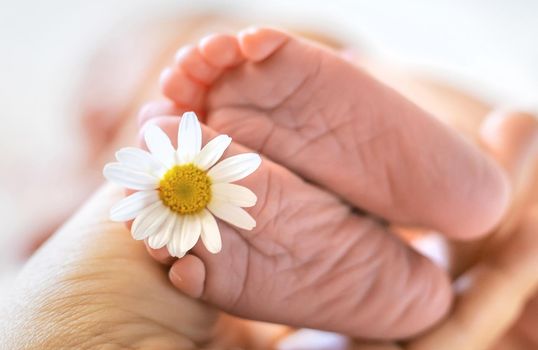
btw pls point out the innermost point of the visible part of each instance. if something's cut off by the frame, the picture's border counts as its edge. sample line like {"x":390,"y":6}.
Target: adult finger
{"x":496,"y":289}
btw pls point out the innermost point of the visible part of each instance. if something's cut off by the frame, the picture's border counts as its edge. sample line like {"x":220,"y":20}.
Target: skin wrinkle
{"x":368,"y":153}
{"x":269,"y":134}
{"x":403,"y":278}
{"x":343,"y":296}
{"x":87,"y":313}
{"x":330,"y":226}
{"x":374,"y":136}
{"x":288,"y":215}
{"x":58,"y":301}
{"x":401,"y":142}
{"x":260,"y":252}
{"x":368,"y":267}
{"x":318,"y":268}
{"x":271,"y":110}
{"x":308,"y":130}
{"x":249,"y":239}
{"x":72,"y":280}
{"x":284,"y":99}
{"x":407,"y":279}
{"x":412,"y":297}
{"x":213,"y":119}
{"x":299,"y":88}
{"x":251,"y":102}
{"x":242,"y":275}
{"x":108,"y":296}
{"x":158,"y":339}
{"x":152,"y":320}
{"x":290,"y":240}
{"x":331,"y":132}
{"x":379,"y":127}
{"x":299,"y":125}
{"x":339,"y":212}
{"x":144,"y":320}
{"x":72,"y":315}
{"x":243,"y":286}
{"x":274,"y":109}
{"x":274,"y":126}
{"x":292,"y":296}
{"x":290,"y":154}
{"x":389,"y":184}
{"x":350,"y":109}
{"x":373,"y":237}
{"x":103,"y":338}
{"x":251,"y":236}
{"x":436,"y":170}
{"x":374,"y":126}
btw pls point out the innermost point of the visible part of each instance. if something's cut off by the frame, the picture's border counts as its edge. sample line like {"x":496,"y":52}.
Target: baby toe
{"x":181,"y":89}
{"x":190,"y":60}
{"x":259,"y":43}
{"x":188,"y":275}
{"x":221,"y":50}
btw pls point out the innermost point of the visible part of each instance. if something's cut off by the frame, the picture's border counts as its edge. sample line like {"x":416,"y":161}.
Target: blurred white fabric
{"x":311,"y":339}
{"x":488,"y":47}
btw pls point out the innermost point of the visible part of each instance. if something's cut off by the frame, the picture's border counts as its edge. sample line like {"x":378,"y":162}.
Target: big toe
{"x":258,"y":43}
{"x":188,"y":275}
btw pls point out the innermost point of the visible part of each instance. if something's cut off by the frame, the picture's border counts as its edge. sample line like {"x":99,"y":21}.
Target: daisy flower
{"x":180,"y":191}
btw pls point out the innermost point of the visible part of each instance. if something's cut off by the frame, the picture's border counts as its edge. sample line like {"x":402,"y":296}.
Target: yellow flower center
{"x":186,"y":189}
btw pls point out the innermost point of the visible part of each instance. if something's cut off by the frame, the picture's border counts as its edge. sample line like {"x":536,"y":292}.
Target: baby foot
{"x":311,"y":261}
{"x":305,"y":107}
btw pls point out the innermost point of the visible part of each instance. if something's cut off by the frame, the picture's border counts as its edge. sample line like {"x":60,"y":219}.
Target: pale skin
{"x":307,"y":108}
{"x":107,"y":266}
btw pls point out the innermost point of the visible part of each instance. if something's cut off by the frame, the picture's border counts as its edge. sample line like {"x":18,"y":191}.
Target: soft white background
{"x":487,"y":46}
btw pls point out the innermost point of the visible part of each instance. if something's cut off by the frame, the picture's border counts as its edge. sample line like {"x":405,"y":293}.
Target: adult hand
{"x":92,"y":286}
{"x":497,"y":303}
{"x":496,"y":290}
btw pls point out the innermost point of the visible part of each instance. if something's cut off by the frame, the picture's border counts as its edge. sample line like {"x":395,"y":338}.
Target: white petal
{"x":174,"y":245}
{"x":140,"y":160}
{"x":129,"y":178}
{"x":234,"y":194}
{"x":190,"y":232}
{"x":159,"y":145}
{"x":161,"y":238}
{"x":189,"y":137}
{"x":232,"y":214}
{"x":212,"y":152}
{"x":235,"y":168}
{"x":210,"y":232}
{"x":149,"y":221}
{"x":129,"y":207}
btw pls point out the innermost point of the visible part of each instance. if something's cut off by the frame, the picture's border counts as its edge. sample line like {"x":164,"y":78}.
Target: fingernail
{"x":174,"y":276}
